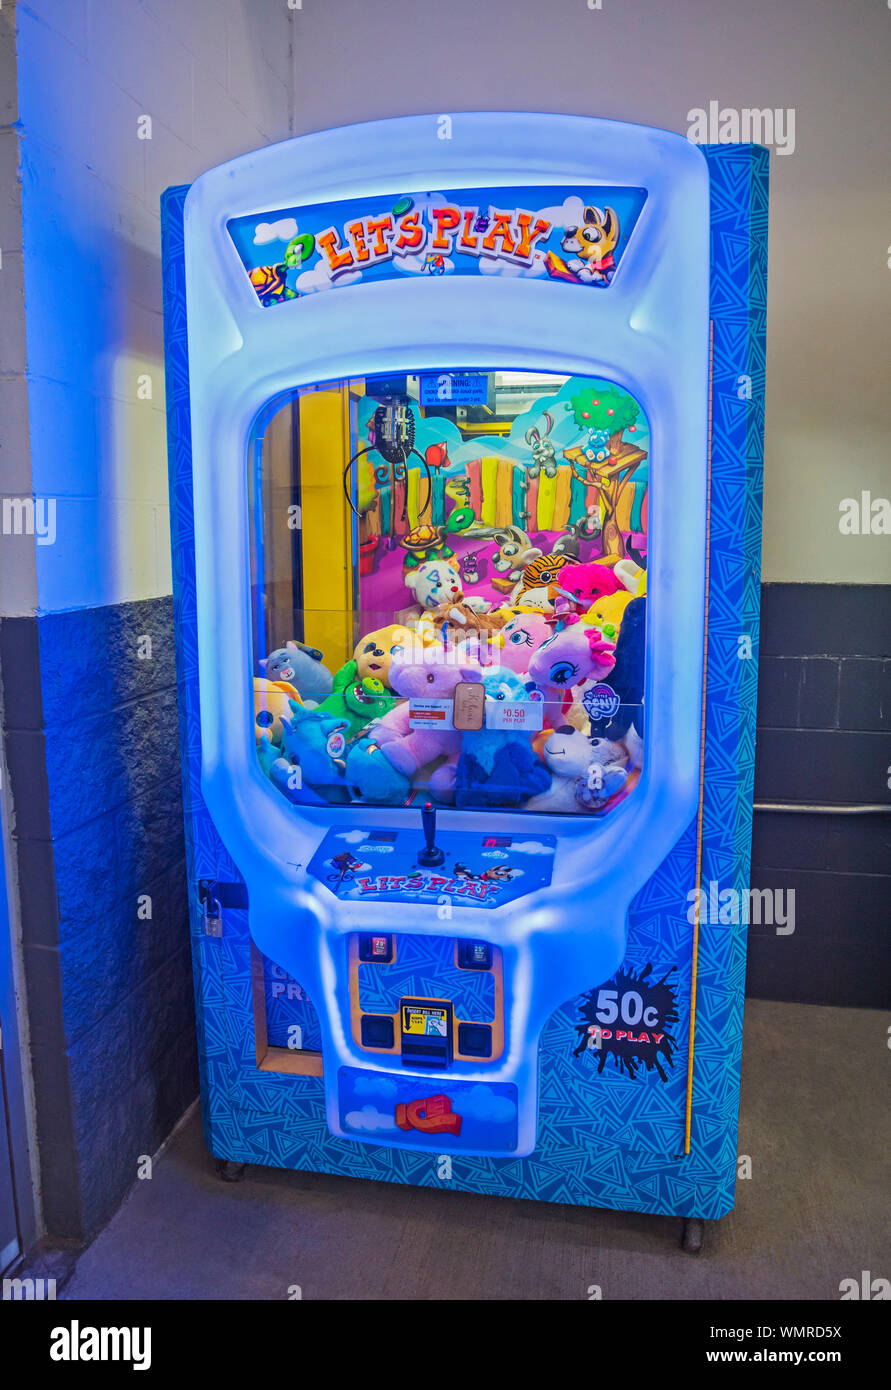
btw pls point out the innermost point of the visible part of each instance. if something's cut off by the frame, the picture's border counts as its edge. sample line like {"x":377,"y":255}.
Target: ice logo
{"x":600,"y":702}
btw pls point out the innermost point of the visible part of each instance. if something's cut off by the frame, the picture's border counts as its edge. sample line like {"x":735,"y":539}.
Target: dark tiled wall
{"x":824,"y":735}
{"x":92,"y":747}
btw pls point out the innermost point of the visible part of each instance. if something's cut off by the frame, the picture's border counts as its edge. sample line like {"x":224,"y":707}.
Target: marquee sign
{"x":574,"y":235}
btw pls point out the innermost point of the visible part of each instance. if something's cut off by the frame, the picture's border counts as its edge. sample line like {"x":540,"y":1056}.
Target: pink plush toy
{"x":576,"y":652}
{"x":522,"y":637}
{"x":577,"y":586}
{"x":431,"y":675}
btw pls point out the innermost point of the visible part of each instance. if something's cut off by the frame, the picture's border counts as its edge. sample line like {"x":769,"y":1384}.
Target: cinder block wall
{"x":824,"y":736}
{"x":116,"y":100}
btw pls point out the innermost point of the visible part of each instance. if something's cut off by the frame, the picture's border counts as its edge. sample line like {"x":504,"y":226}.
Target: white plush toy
{"x":585,"y":771}
{"x":632,"y":576}
{"x":435,"y":582}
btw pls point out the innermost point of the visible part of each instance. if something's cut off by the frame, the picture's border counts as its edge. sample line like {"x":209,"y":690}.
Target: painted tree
{"x":610,"y":411}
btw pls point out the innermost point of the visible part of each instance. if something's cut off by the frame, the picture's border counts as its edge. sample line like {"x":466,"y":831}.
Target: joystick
{"x":431,"y":856}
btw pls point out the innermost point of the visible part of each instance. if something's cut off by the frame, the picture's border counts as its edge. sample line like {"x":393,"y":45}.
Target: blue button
{"x":475,"y":1039}
{"x":377,"y":1030}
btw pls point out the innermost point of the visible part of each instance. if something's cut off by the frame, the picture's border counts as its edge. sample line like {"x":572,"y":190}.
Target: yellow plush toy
{"x":271,"y":705}
{"x":375,"y":651}
{"x":608,"y":610}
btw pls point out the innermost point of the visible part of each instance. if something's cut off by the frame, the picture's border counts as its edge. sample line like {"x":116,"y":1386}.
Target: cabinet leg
{"x":227,"y":1171}
{"x":693,"y":1234}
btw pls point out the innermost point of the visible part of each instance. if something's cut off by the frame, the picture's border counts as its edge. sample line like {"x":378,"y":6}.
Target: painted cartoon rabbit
{"x":544,"y":455}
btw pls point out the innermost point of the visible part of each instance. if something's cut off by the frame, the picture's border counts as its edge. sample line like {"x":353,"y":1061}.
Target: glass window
{"x":449,"y":591}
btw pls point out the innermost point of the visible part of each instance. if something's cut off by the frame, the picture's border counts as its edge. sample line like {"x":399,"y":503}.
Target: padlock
{"x":213,"y":917}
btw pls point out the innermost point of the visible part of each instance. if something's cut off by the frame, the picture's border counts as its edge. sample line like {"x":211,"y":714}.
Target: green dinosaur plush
{"x":344,"y":677}
{"x":357,"y":702}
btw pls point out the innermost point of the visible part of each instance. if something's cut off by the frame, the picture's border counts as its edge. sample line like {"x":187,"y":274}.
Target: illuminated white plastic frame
{"x":649,"y":333}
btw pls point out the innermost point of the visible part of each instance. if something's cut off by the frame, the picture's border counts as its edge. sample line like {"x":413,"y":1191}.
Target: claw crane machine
{"x":465,"y":440}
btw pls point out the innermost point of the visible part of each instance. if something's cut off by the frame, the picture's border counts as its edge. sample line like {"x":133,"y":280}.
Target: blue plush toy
{"x":628,"y":674}
{"x":289,"y":780}
{"x":371,"y":777}
{"x":285,"y":775}
{"x":300,"y":666}
{"x":315,"y":744}
{"x":267,"y":752}
{"x":499,"y":767}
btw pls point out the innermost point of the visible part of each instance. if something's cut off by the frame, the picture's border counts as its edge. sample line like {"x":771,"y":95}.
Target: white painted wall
{"x":215,"y":78}
{"x":18,"y":570}
{"x":829,"y":342}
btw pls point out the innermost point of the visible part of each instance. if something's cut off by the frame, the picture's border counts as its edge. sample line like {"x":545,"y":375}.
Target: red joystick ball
{"x":430,"y":857}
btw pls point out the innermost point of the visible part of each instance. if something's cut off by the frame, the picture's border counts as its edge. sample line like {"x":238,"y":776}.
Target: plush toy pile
{"x":561,"y":667}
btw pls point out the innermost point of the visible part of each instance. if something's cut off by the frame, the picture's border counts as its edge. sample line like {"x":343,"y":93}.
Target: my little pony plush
{"x":301,"y":667}
{"x":607,"y":612}
{"x":627,"y":678}
{"x":575,"y":653}
{"x":498,"y":767}
{"x":521,"y":639}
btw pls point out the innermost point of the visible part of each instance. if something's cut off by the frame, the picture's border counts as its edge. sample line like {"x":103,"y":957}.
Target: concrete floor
{"x":815,"y":1121}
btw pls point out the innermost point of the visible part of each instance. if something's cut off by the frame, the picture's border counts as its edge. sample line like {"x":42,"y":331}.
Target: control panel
{"x":411,"y":866}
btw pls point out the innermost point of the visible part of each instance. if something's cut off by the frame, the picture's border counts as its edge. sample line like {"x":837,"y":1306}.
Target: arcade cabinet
{"x":465,"y":444}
